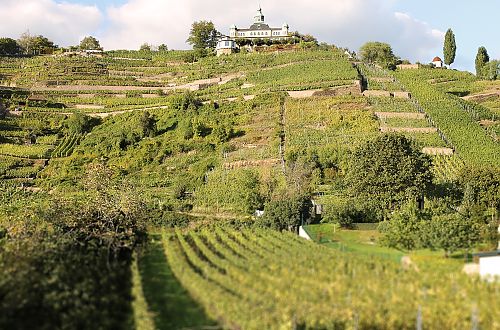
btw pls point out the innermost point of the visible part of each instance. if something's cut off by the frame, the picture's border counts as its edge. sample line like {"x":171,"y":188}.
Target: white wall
{"x":489,"y":266}
{"x":303,"y":233}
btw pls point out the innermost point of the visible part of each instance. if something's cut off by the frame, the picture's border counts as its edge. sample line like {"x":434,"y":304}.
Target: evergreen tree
{"x":450,"y":47}
{"x":481,"y":59}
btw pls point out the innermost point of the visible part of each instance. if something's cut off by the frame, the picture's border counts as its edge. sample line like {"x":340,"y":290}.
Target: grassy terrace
{"x":365,"y":241}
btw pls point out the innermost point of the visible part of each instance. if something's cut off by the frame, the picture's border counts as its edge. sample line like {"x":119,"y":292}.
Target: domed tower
{"x":259,"y":17}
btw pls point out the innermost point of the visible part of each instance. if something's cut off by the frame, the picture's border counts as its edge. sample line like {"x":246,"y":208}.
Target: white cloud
{"x":341,"y":22}
{"x":417,"y":40}
{"x":63,"y":23}
{"x":344,"y":23}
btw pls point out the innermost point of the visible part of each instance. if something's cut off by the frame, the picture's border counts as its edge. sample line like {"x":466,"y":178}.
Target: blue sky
{"x":475,"y":24}
{"x":415,"y":29}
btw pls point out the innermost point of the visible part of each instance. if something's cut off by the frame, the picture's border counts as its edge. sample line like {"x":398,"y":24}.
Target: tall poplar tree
{"x":481,"y":59}
{"x":450,"y":47}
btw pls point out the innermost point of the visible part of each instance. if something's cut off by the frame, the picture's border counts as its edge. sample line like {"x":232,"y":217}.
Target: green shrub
{"x":286,"y":213}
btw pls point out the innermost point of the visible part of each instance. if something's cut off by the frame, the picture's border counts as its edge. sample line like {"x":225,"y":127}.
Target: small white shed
{"x":225,"y":46}
{"x":438,"y":62}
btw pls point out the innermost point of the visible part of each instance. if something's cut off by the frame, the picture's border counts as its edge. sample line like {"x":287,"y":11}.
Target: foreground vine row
{"x":268,"y":280}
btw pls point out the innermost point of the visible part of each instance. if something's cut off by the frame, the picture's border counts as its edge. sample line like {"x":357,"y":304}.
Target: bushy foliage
{"x":389,"y":171}
{"x":36,"y":45}
{"x":9,"y":46}
{"x":437,"y":228}
{"x":490,"y":70}
{"x":80,"y":123}
{"x":186,"y":101}
{"x":65,"y":264}
{"x":202,"y":36}
{"x":237,"y":189}
{"x":481,"y":186}
{"x":346,"y":215}
{"x":404,"y":228}
{"x":90,"y":43}
{"x":286,"y":213}
{"x":380,"y":53}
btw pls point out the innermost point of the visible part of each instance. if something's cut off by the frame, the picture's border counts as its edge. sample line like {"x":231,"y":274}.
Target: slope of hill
{"x":214,"y":141}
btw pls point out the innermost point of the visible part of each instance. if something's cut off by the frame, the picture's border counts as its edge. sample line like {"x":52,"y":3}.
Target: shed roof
{"x":437,"y":59}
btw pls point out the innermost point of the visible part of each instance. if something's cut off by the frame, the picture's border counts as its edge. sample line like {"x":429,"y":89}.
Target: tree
{"x":389,"y":171}
{"x":449,"y":48}
{"x":80,"y":123}
{"x":286,"y":213}
{"x":145,"y":47}
{"x":148,"y":124}
{"x":481,"y":186}
{"x":403,"y":229}
{"x":36,"y":45}
{"x":90,"y":43}
{"x":451,"y":232}
{"x":491,"y":70}
{"x":162,"y":48}
{"x":481,"y":59}
{"x":380,"y":53}
{"x":203,"y":36}
{"x":9,"y":46}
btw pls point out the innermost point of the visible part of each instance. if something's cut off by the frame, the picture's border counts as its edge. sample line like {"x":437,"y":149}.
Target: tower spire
{"x":259,"y":18}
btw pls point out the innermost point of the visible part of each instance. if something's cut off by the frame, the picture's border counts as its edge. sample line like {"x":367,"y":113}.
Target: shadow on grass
{"x":170,"y":303}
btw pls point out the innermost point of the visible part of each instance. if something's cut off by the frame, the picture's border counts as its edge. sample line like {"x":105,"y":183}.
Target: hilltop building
{"x":225,"y":46}
{"x":260,"y":30}
{"x":438,"y":62}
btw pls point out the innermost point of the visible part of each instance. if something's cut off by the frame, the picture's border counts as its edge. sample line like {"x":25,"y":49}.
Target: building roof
{"x":259,"y":26}
{"x":437,"y":59}
{"x":487,"y":254}
{"x":262,"y":29}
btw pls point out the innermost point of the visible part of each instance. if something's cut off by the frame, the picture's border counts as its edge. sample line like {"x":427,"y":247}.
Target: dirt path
{"x":438,"y":151}
{"x":251,"y":163}
{"x":482,"y":96}
{"x":406,"y":115}
{"x":409,"y":129}
{"x":191,"y":86}
{"x":95,"y":114}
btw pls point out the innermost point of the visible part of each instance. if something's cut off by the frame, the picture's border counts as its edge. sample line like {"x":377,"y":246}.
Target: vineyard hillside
{"x":172,"y":178}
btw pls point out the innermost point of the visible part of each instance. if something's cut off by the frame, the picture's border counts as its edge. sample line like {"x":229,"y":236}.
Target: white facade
{"x":438,"y":63}
{"x":226,"y":43}
{"x":489,"y":267}
{"x":225,"y":46}
{"x":260,"y":30}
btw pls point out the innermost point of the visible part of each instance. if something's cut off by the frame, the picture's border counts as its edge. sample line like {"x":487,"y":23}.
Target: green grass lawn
{"x":168,"y":302}
{"x":365,"y":240}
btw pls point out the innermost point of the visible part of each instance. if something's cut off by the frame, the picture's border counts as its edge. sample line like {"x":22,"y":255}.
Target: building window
{"x":227,"y":43}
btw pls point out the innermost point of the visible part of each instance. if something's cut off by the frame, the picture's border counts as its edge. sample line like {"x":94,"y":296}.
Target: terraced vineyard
{"x":196,"y":143}
{"x":66,"y":146}
{"x":268,"y":280}
{"x":473,"y":143}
